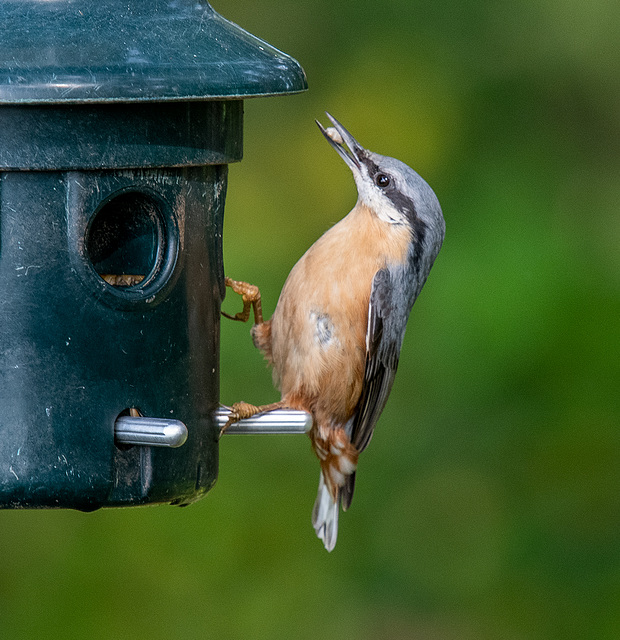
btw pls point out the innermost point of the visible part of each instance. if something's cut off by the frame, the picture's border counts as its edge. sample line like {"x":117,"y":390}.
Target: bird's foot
{"x":250,"y":294}
{"x":243,"y":410}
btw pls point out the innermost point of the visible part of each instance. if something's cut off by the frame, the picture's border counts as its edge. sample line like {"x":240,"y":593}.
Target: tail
{"x":325,"y":515}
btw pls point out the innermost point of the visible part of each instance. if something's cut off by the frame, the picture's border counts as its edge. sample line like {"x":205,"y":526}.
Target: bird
{"x":335,"y":336}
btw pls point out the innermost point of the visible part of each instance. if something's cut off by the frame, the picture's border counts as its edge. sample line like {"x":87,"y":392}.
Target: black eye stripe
{"x":381,"y":179}
{"x":401,"y":202}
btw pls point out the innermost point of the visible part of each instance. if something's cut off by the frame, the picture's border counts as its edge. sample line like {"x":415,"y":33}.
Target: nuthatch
{"x":335,"y":336}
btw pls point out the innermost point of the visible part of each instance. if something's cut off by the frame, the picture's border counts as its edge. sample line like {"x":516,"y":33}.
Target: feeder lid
{"x":84,"y":51}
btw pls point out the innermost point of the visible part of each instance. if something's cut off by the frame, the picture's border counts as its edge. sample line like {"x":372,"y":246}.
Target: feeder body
{"x":119,"y":119}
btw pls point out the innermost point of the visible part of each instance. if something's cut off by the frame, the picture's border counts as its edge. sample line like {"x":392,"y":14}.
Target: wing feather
{"x":383,"y":343}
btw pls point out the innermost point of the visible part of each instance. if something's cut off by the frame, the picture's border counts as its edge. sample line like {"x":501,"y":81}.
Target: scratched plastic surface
{"x":134,"y":50}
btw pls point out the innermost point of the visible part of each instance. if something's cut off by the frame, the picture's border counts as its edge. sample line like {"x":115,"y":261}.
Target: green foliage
{"x":488,"y":504}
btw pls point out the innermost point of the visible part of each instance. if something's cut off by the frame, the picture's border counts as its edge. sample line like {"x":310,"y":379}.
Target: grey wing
{"x":383,"y":342}
{"x":384,"y":337}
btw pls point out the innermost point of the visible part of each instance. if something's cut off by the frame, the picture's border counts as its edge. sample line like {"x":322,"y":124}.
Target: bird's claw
{"x":250,"y":294}
{"x":239,"y":411}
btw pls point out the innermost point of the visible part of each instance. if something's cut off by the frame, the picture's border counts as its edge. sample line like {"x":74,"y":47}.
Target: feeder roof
{"x":88,"y":51}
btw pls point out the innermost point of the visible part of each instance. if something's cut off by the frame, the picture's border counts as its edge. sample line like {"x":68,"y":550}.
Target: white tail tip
{"x":325,"y":516}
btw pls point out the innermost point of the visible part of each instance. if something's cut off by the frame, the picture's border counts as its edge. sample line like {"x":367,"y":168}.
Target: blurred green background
{"x":488,"y":504}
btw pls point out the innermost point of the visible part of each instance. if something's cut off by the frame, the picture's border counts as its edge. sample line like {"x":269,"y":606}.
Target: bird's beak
{"x":353,"y":154}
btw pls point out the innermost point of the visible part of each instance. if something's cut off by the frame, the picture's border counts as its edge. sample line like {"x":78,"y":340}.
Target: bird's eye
{"x":381,"y":180}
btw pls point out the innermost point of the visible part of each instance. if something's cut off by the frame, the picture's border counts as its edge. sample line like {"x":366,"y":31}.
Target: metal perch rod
{"x":164,"y":432}
{"x":280,"y":421}
{"x":150,"y":432}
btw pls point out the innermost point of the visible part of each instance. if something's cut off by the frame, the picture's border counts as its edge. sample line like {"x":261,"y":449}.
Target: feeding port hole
{"x":126,"y":239}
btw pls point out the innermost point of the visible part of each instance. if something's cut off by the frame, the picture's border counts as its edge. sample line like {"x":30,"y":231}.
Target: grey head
{"x":394,"y":191}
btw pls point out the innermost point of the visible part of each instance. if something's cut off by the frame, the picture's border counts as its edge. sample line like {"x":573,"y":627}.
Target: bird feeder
{"x":118,"y":121}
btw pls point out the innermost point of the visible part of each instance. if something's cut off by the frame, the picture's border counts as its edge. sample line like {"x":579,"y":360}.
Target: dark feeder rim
{"x":4,"y":102}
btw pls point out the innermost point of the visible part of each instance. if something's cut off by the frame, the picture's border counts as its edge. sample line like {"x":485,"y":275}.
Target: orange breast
{"x":318,"y":330}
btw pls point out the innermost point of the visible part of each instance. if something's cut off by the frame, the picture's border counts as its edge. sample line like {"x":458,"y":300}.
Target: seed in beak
{"x":334,"y":135}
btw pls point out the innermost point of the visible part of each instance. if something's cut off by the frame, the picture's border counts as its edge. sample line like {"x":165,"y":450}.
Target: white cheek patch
{"x":389,"y":214}
{"x":378,"y":202}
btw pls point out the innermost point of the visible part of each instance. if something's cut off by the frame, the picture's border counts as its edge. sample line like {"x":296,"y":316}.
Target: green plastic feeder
{"x":118,"y":120}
